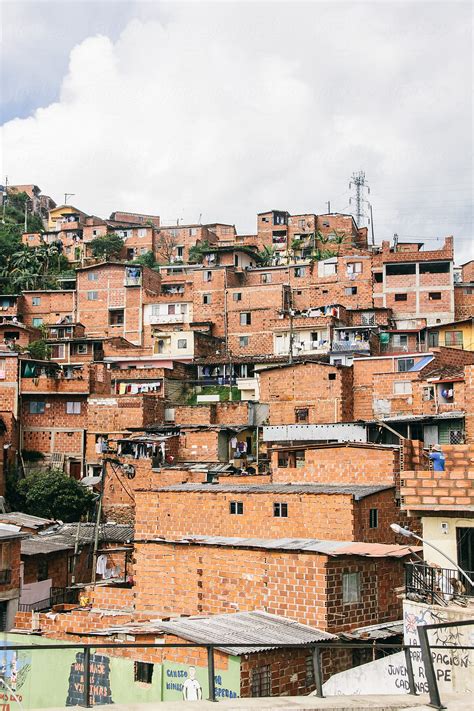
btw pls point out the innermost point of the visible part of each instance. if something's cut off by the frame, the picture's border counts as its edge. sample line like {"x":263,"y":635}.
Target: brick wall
{"x":304,"y":586}
{"x":326,"y":391}
{"x":349,"y":464}
{"x":10,"y":557}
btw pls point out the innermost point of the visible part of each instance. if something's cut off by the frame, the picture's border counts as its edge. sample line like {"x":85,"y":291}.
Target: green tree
{"x":197,"y":251}
{"x":51,"y":494}
{"x":39,"y":349}
{"x":267,"y":256}
{"x":107,"y":246}
{"x":147,"y":259}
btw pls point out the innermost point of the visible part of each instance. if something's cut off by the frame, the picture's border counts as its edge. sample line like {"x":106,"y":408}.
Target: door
{"x":465,"y":550}
{"x":75,"y":469}
{"x":430,"y":434}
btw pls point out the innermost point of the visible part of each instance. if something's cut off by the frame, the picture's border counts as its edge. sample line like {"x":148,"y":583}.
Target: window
{"x":93,"y":276}
{"x":434,"y":296}
{"x":57,"y":351}
{"x":378,"y":277}
{"x":180,"y":251}
{"x":405,"y":364}
{"x":141,"y":232}
{"x":354,"y":267}
{"x":143,"y":672}
{"x":260,"y":682}
{"x":373,"y":518}
{"x":300,"y":272}
{"x":367,"y":318}
{"x":82,"y":349}
{"x":116,"y":317}
{"x":301,"y":414}
{"x":428,"y":393}
{"x":433,"y":339}
{"x":400,"y":269}
{"x":279,"y":218}
{"x":37,"y":322}
{"x":332,"y":376}
{"x":300,"y":456}
{"x":402,"y":387}
{"x":206,"y":298}
{"x":36,"y":301}
{"x":3,"y":365}
{"x":280,"y":510}
{"x":301,"y":224}
{"x":236,"y":507}
{"x":73,"y":407}
{"x":453,"y":338}
{"x":266,"y":278}
{"x":400,"y":340}
{"x":243,"y":341}
{"x":350,"y":588}
{"x":350,"y":290}
{"x":245,"y":318}
{"x":434,"y":268}
{"x":237,"y":296}
{"x":192,"y":231}
{"x":42,"y":570}
{"x":401,"y":297}
{"x":207,"y":276}
{"x":92,"y":295}
{"x":37,"y":407}
{"x":182,"y":343}
{"x":468,"y":290}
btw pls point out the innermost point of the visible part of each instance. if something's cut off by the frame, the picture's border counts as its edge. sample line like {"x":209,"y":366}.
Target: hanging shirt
{"x":101,"y":567}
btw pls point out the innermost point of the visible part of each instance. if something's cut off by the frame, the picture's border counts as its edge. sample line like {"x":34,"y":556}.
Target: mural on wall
{"x":191,"y":683}
{"x":192,"y":689}
{"x":101,"y":692}
{"x":14,"y":670}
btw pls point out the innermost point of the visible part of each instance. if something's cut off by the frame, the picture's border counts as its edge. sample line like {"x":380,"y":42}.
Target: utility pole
{"x":291,"y":313}
{"x":372,"y":224}
{"x":67,"y":196}
{"x":97,"y":521}
{"x":358,"y":182}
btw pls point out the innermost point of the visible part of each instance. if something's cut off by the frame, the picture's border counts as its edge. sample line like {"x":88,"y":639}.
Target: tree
{"x":268,"y":256}
{"x":51,"y":494}
{"x":166,"y":246}
{"x":147,"y":259}
{"x":39,"y":350}
{"x":107,"y":246}
{"x":197,"y":251}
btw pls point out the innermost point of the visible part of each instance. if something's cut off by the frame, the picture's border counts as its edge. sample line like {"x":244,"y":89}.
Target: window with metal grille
{"x":280,"y":510}
{"x":143,"y":672}
{"x":237,"y":508}
{"x":350,"y":588}
{"x":373,"y":518}
{"x":453,"y":338}
{"x":260,"y":681}
{"x":301,"y":414}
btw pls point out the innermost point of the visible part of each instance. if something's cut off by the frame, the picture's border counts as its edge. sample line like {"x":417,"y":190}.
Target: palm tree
{"x":267,"y":256}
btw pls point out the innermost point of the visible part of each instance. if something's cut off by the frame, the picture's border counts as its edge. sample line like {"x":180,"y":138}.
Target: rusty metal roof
{"x":306,"y":545}
{"x":356,"y":490}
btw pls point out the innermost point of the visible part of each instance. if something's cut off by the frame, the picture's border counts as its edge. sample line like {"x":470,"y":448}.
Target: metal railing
{"x":436,"y":585}
{"x":316,"y":648}
{"x":58,"y":596}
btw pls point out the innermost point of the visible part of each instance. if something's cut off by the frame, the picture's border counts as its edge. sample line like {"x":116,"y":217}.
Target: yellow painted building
{"x":65,"y":215}
{"x":457,"y":334}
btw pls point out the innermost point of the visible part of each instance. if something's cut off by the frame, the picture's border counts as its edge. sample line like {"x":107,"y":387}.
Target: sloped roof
{"x":18,"y":518}
{"x":355,"y":490}
{"x":245,"y":627}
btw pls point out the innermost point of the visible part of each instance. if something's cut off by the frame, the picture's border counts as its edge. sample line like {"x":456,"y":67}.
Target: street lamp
{"x":409,"y":534}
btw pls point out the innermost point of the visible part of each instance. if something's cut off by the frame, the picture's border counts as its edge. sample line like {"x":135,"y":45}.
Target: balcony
{"x":350,"y":346}
{"x":167,"y":318}
{"x":437,"y":586}
{"x":51,"y":385}
{"x":58,"y":596}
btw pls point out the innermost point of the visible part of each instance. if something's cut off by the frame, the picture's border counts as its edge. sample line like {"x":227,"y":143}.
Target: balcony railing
{"x":167,"y":318}
{"x":348,"y":346}
{"x":437,"y":585}
{"x":58,"y":596}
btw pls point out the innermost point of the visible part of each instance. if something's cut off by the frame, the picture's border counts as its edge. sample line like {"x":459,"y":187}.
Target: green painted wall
{"x":52,"y":678}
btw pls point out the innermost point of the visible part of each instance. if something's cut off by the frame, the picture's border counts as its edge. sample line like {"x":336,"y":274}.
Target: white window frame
{"x":351,"y":588}
{"x":402,"y":387}
{"x":73,"y":407}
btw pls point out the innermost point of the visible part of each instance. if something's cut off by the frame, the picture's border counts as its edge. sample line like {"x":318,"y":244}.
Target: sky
{"x":215,"y":111}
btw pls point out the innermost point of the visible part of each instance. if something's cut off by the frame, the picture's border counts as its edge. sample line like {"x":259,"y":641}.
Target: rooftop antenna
{"x":67,"y":196}
{"x":358,"y":182}
{"x":200,"y":218}
{"x":328,"y":203}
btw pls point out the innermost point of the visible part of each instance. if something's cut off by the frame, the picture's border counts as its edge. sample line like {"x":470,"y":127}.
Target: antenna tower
{"x":358,"y":182}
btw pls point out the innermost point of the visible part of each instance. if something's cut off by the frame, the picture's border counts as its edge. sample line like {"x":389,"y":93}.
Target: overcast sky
{"x":222,"y":110}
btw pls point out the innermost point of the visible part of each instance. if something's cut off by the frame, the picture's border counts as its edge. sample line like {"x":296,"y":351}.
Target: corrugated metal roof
{"x":38,"y":545}
{"x":245,"y":627}
{"x":383,"y":630}
{"x":355,"y":490}
{"x":108,"y":533}
{"x":421,"y":363}
{"x":310,"y":545}
{"x":22,"y":519}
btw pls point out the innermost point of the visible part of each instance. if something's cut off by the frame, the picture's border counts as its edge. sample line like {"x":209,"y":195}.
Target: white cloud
{"x":227,"y":110}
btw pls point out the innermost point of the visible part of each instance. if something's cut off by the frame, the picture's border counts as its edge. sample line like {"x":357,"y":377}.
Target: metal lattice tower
{"x":358,"y":182}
